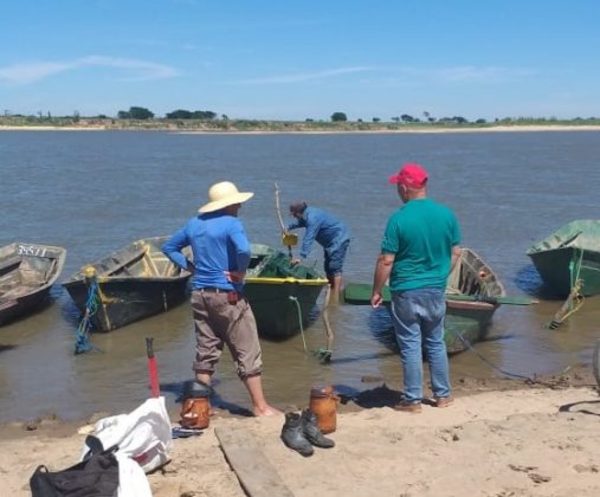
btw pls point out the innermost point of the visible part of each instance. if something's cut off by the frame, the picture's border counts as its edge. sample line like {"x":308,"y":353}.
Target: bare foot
{"x":266,"y":411}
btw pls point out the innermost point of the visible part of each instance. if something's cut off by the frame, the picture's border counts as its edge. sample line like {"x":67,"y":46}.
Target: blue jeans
{"x":418,"y":317}
{"x":334,"y":261}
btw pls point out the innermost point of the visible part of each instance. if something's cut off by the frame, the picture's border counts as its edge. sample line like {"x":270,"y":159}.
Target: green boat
{"x":570,"y":254}
{"x":473,"y":294}
{"x":282,"y":296}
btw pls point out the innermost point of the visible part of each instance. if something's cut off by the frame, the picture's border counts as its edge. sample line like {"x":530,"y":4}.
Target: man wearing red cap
{"x":419,"y":247}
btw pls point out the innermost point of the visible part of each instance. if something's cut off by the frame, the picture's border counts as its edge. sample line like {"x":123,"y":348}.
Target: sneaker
{"x":412,"y":407}
{"x":443,"y":401}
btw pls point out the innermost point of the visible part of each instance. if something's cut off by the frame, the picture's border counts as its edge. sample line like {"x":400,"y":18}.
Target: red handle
{"x":152,"y":368}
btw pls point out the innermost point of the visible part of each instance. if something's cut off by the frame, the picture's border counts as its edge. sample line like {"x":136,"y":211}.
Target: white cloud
{"x":299,"y":77}
{"x":142,"y":69}
{"x":489,"y":74}
{"x":36,"y":71}
{"x":28,"y":73}
{"x":389,"y":77}
{"x":394,"y":75}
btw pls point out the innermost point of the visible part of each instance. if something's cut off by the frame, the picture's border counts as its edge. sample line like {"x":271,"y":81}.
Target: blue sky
{"x":302,"y":59}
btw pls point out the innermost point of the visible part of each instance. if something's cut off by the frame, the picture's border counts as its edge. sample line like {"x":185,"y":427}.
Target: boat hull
{"x":553,"y":267}
{"x":13,"y":310}
{"x":569,"y":254}
{"x":281,"y":309}
{"x":133,"y":283}
{"x":125,"y":301}
{"x":283,"y":297}
{"x":466,"y":325}
{"x":27,"y":273}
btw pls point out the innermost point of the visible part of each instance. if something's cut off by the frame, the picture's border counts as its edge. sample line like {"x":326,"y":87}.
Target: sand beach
{"x":503,"y":439}
{"x":301,"y":128}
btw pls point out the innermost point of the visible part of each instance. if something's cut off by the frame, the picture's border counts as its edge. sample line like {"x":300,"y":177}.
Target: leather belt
{"x":211,"y":289}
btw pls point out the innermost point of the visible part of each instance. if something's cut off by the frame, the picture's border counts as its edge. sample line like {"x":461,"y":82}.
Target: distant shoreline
{"x":300,"y":130}
{"x":499,"y":129}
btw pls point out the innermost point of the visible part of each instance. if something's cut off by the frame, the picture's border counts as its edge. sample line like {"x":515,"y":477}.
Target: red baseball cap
{"x":411,"y":174}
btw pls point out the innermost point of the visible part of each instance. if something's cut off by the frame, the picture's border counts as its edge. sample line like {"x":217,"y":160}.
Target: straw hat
{"x":222,"y":195}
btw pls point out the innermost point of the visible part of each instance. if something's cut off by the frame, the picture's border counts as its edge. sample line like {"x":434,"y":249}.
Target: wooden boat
{"x":473,"y":294}
{"x":569,"y":254}
{"x":282,"y":296}
{"x":130,"y":284}
{"x":27,"y":271}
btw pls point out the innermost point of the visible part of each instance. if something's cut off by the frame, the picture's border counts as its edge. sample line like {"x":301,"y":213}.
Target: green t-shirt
{"x":421,"y":235}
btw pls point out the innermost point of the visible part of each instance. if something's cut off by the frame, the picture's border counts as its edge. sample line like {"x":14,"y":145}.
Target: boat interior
{"x":20,"y":275}
{"x":270,"y":263}
{"x":142,"y":259}
{"x":471,"y":276}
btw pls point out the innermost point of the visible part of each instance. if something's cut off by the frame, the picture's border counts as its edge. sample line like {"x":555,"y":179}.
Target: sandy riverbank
{"x":53,"y":128}
{"x":531,"y":441}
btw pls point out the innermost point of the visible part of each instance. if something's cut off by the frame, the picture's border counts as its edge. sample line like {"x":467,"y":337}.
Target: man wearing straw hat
{"x":222,"y":314}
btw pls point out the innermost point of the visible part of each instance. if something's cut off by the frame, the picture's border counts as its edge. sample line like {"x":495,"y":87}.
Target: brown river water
{"x":94,"y":192}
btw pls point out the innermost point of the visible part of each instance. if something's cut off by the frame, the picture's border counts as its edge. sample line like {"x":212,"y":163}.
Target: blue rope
{"x":82,"y":340}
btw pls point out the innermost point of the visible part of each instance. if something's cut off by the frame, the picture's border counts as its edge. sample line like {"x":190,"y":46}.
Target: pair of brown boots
{"x":301,"y":431}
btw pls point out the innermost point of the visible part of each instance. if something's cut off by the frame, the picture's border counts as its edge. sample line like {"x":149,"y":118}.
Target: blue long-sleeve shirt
{"x":328,"y":231}
{"x":219,"y":243}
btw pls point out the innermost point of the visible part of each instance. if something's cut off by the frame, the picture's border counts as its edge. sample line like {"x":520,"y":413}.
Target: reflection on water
{"x":528,"y":280}
{"x":95,"y":192}
{"x":381,"y":326}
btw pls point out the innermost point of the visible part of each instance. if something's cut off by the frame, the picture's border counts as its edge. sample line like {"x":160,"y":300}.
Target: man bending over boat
{"x":330,"y":233}
{"x":221,"y":312}
{"x":419,"y":248}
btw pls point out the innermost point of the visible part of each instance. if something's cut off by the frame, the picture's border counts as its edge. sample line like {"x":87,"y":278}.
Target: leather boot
{"x":312,"y":432}
{"x":293,"y":436}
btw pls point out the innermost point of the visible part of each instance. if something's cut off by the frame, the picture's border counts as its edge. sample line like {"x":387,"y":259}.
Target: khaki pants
{"x":217,"y":322}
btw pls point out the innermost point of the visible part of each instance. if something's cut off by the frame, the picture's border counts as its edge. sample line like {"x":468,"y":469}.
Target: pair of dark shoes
{"x":300,"y":432}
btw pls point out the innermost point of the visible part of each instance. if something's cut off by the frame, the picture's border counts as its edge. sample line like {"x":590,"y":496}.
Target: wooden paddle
{"x":360,"y":294}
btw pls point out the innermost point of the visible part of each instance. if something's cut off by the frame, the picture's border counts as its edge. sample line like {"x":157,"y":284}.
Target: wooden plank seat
{"x":9,"y":265}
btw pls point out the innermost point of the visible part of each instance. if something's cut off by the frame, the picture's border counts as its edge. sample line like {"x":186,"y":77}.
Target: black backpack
{"x":96,"y":476}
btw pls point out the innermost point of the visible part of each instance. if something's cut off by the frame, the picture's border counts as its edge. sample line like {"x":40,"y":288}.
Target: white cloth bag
{"x":143,"y":436}
{"x":132,"y":479}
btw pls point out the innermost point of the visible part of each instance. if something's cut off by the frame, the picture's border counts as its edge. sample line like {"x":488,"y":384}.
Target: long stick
{"x":152,"y":368}
{"x":328,"y":330}
{"x":278,"y":208}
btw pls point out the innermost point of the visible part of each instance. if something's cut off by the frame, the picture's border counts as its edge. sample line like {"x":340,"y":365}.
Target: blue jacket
{"x":219,"y":243}
{"x":328,"y":231}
